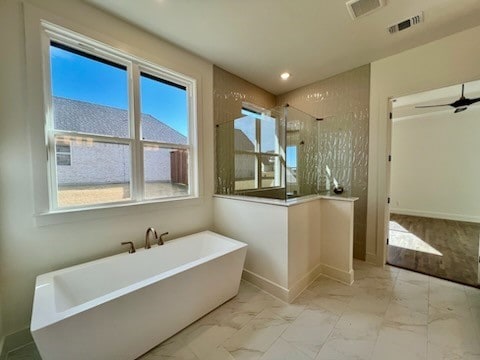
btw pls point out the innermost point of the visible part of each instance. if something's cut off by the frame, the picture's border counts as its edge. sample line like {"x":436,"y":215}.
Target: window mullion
{"x":166,"y":145}
{"x":136,"y":130}
{"x":259,"y":151}
{"x":53,"y":181}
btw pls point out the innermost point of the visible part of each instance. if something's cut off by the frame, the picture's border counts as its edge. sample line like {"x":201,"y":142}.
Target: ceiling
{"x":312,"y":39}
{"x":404,"y":107}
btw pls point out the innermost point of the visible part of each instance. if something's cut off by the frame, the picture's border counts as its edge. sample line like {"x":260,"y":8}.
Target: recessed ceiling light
{"x":285,"y":75}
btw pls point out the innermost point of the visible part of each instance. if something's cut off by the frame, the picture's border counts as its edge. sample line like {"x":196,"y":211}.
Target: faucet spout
{"x":147,"y":237}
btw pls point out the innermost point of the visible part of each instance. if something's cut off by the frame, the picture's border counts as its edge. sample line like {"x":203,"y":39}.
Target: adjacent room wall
{"x":448,"y":61}
{"x":26,"y":249}
{"x":343,"y":102}
{"x":435,"y":168}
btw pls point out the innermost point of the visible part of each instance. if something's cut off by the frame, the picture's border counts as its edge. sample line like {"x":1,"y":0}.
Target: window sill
{"x":111,"y":210}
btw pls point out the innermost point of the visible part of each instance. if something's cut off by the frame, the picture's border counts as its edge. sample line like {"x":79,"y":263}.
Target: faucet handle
{"x":132,"y":246}
{"x":160,"y":239}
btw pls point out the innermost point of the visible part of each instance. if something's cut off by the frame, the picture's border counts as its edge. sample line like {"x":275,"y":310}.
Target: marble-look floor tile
{"x":255,"y":338}
{"x":372,"y":301}
{"x":475,"y":311}
{"x":207,"y":337}
{"x":218,"y":353}
{"x":310,"y":330}
{"x":413,"y":297}
{"x":354,"y":325}
{"x":445,"y":297}
{"x":401,"y":342}
{"x":445,"y":352}
{"x":228,"y":315}
{"x":343,"y":349}
{"x":405,"y":314}
{"x":473,"y":296}
{"x":330,"y":295}
{"x":288,"y":312}
{"x":174,"y":349}
{"x":450,"y":330}
{"x":282,"y":350}
{"x":414,"y":278}
{"x":375,"y":283}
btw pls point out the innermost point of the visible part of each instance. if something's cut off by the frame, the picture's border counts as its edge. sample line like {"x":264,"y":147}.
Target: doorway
{"x":434,"y":225}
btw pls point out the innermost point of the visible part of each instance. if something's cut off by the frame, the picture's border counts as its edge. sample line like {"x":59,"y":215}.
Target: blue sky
{"x":80,"y":78}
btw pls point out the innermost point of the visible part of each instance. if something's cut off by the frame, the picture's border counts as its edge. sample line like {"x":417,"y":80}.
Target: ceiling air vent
{"x":358,"y":8}
{"x":405,"y":24}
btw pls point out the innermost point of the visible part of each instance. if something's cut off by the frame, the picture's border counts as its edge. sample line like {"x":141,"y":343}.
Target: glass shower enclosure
{"x":268,"y":153}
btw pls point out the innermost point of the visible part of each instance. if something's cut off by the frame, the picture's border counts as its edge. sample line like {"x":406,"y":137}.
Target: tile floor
{"x":387,"y":314}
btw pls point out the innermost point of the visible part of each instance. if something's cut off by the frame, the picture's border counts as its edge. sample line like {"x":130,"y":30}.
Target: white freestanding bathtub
{"x":121,"y":306}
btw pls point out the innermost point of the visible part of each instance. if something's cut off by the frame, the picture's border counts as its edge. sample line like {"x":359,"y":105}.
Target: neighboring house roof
{"x":242,"y":142}
{"x":80,"y":116}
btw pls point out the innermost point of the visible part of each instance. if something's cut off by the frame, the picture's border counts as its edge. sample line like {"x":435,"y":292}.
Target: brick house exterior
{"x":81,"y":162}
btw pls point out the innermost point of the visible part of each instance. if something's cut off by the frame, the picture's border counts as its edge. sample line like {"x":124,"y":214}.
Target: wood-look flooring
{"x":443,"y":248}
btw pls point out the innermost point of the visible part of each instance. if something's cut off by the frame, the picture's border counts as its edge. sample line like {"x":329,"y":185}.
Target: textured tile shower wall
{"x":229,"y":92}
{"x":343,"y":100}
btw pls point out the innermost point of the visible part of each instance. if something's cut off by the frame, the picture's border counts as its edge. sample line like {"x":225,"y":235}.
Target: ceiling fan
{"x":460,"y":105}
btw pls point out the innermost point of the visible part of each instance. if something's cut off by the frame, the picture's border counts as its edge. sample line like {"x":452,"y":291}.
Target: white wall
{"x":286,"y":244}
{"x":26,"y":249}
{"x":336,"y":230}
{"x":435,"y":169}
{"x":448,"y":61}
{"x":304,"y":240}
{"x":264,"y":228}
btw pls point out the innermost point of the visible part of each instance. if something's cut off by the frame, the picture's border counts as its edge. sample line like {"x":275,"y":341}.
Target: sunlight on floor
{"x":401,"y":237}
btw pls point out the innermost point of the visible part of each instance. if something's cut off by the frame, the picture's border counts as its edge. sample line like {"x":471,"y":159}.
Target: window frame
{"x":134,"y":67}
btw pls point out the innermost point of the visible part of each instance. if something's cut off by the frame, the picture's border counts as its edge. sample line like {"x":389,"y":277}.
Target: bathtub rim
{"x":44,"y":311}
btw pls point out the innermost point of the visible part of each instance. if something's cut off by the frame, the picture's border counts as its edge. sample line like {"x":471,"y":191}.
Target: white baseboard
{"x":435,"y":215}
{"x":288,"y":295}
{"x":265,"y":284}
{"x":337,"y":274}
{"x":297,"y":288}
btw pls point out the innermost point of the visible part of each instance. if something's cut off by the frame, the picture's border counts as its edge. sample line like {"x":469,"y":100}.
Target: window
{"x":120,"y":130}
{"x":257,"y":151}
{"x":62,"y":149}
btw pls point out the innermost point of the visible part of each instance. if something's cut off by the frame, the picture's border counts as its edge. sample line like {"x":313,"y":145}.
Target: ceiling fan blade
{"x":429,"y":106}
{"x":473,"y":101}
{"x":460,"y":109}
